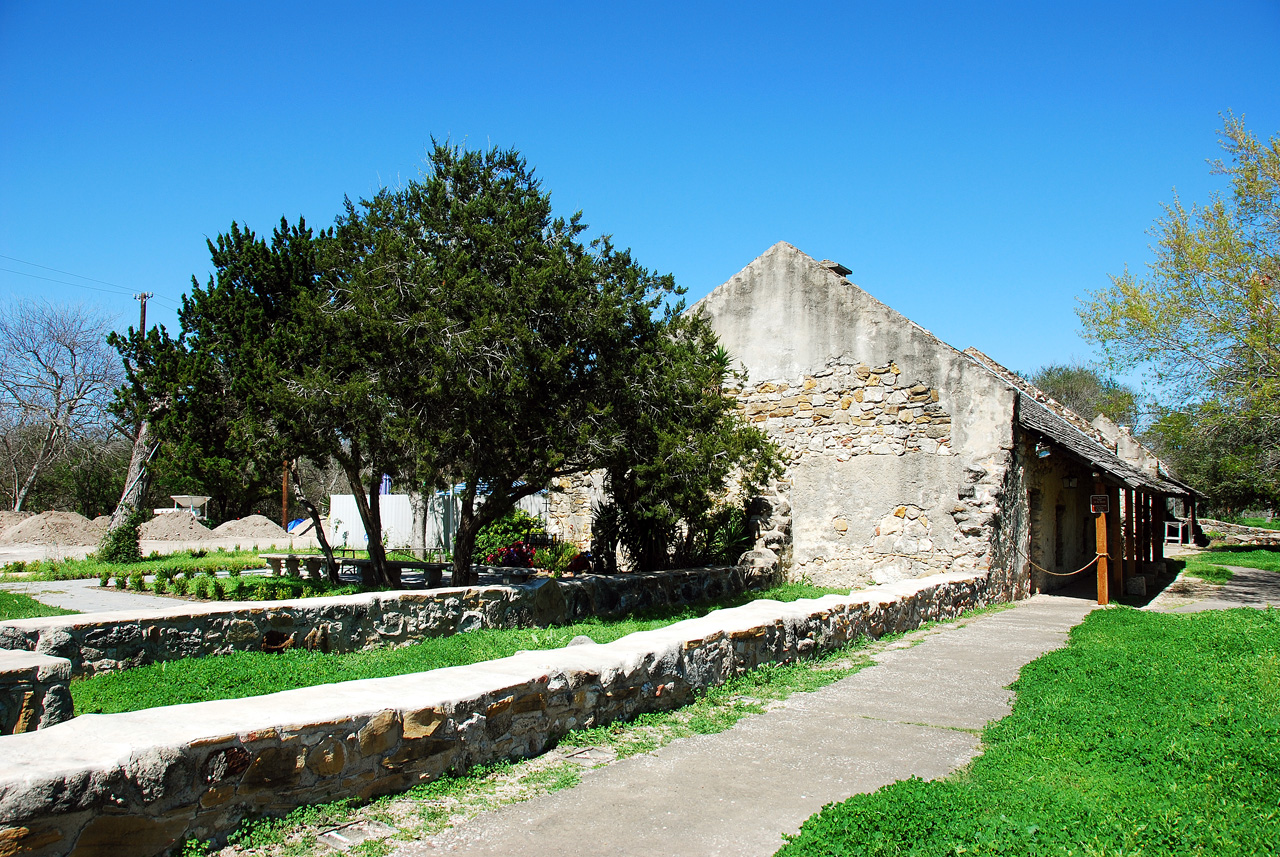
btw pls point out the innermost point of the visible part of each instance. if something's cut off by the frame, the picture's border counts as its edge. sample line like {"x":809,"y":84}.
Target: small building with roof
{"x":906,"y":456}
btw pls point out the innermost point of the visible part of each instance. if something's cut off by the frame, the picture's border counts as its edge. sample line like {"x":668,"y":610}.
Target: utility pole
{"x":144,"y":448}
{"x":142,"y":298}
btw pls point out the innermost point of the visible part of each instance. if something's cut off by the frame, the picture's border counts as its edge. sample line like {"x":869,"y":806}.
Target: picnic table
{"x":291,"y":564}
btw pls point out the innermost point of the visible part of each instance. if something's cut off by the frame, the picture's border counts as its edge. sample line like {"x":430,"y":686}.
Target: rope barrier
{"x":1086,"y":567}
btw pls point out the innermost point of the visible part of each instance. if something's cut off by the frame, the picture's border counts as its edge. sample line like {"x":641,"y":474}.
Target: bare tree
{"x":57,"y":374}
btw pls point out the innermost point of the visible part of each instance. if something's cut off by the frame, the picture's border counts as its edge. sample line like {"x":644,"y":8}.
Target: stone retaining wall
{"x":138,"y":783}
{"x":1239,"y":534}
{"x":103,"y":642}
{"x":33,"y":692}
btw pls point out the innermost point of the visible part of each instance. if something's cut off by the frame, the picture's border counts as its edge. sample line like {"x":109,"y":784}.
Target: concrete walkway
{"x":1249,"y":587}
{"x":917,"y":712}
{"x":85,"y":596}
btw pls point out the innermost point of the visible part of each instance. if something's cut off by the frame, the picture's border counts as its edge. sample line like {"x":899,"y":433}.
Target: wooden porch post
{"x":1159,"y":503}
{"x":1130,"y":548}
{"x":1115,"y":542}
{"x":1100,"y":531}
{"x":1144,"y":538}
{"x":1191,"y":536}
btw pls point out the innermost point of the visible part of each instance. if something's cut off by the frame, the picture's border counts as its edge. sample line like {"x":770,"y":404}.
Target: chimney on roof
{"x":835,"y":266}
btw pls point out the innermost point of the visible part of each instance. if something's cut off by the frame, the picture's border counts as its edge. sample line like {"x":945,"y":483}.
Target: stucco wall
{"x":791,"y":321}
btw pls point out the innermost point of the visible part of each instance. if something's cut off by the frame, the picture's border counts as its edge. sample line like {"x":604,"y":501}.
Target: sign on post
{"x":1099,"y":504}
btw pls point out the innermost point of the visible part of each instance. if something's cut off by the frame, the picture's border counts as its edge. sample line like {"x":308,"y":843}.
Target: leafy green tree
{"x":1088,"y":392}
{"x":500,"y":335}
{"x":1227,"y":461}
{"x":1205,"y":320}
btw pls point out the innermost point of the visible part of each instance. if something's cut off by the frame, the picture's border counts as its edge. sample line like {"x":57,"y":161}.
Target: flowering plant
{"x":515,"y":555}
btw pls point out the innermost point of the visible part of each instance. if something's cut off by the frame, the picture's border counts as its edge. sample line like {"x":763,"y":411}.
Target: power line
{"x":122,"y":292}
{"x":80,"y":276}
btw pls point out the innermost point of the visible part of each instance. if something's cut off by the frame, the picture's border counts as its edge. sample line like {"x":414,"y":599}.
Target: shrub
{"x":121,"y":544}
{"x":121,"y":581}
{"x":197,"y":554}
{"x":200,"y":587}
{"x":104,"y":577}
{"x":262,"y":590}
{"x":180,"y":585}
{"x":505,"y":531}
{"x":235,"y":587}
{"x":137,"y":583}
{"x":15,"y":567}
{"x":215,"y":589}
{"x":234,"y":572}
{"x":160,"y":585}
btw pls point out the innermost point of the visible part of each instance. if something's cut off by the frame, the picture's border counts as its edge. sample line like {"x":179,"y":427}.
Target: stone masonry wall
{"x":95,"y":643}
{"x":33,"y":691}
{"x":846,"y":410}
{"x":135,"y":784}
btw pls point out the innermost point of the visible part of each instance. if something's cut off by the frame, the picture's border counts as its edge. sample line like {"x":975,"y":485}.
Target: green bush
{"x":104,"y":577}
{"x":180,"y":585}
{"x":121,"y":544}
{"x":121,"y":581}
{"x":137,"y":583}
{"x":160,"y":586}
{"x":200,"y":587}
{"x":508,"y":529}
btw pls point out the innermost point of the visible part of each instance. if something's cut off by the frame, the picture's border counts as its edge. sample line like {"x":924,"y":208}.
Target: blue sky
{"x":977,"y":166}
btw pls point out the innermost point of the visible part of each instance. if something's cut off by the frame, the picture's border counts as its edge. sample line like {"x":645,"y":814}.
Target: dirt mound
{"x":9,"y":519}
{"x":253,"y":527}
{"x":52,"y":528}
{"x":100,"y":525}
{"x":174,"y":527}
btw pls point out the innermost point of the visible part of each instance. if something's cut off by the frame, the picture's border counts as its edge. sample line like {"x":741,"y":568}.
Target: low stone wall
{"x":1238,"y":534}
{"x":33,"y":692}
{"x":137,"y":783}
{"x":102,"y":642}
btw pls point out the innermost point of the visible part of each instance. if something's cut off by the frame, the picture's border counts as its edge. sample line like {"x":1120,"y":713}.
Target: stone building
{"x":908,"y":457}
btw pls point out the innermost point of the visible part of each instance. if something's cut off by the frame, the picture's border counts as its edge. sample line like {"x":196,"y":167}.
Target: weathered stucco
{"x":882,"y":499}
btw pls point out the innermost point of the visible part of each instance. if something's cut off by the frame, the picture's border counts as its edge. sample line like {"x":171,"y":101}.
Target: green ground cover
{"x":16,"y":605}
{"x":244,"y":674}
{"x":84,"y":569}
{"x":1209,"y":565}
{"x":1257,"y":522}
{"x":1149,"y":734}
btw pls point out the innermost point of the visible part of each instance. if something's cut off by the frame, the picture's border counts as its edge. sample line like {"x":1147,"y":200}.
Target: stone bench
{"x":291,"y":564}
{"x":33,"y":691}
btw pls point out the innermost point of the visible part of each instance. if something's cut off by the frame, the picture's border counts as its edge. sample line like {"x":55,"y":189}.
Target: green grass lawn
{"x":1209,"y":565}
{"x":15,"y":605}
{"x":1149,"y":734}
{"x":1258,"y":522}
{"x":176,"y":563}
{"x":254,"y":673}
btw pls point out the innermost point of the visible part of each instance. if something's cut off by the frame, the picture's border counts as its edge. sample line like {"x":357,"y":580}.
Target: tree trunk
{"x":464,"y":538}
{"x":331,"y":566}
{"x":391,"y":575}
{"x":139,"y":478}
{"x":42,"y":458}
{"x":372,"y":527}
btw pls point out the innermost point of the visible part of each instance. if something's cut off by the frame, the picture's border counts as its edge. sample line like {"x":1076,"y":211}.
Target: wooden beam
{"x":1159,"y":504}
{"x":1130,"y":547}
{"x":1100,"y":531}
{"x":1115,"y":542}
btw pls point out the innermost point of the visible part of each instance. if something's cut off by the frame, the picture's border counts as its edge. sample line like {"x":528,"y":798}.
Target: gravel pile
{"x":174,"y":527}
{"x":53,"y":528}
{"x":253,"y":527}
{"x":9,"y":519}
